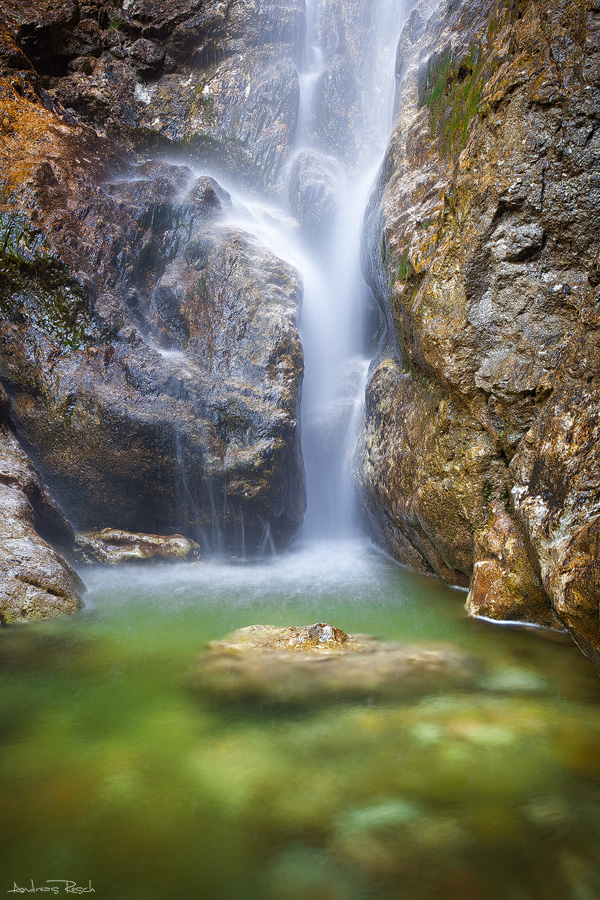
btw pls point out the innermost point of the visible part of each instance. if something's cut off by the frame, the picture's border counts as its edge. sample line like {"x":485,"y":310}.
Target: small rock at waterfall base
{"x":112,"y":546}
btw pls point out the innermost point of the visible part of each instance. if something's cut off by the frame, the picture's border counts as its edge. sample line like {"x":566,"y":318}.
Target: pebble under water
{"x":118,"y":775}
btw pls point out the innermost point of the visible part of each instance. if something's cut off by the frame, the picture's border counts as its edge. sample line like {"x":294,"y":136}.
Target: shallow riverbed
{"x":119,"y":774}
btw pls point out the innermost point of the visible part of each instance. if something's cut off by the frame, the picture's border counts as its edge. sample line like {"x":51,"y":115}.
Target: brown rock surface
{"x":479,"y":457}
{"x":35,"y":579}
{"x":212,"y":82}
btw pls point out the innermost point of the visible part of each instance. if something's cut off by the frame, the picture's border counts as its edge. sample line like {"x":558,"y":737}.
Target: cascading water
{"x":336,"y":298}
{"x":345,"y":110}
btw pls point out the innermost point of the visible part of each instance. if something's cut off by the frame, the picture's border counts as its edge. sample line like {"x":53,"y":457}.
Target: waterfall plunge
{"x":342,"y":139}
{"x":336,"y":299}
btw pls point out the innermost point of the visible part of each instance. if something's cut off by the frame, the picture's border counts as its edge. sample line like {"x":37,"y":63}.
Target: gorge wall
{"x":480,"y":458}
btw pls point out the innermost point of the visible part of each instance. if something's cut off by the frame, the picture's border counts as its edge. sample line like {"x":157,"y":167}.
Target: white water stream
{"x":337,"y":347}
{"x":336,"y":298}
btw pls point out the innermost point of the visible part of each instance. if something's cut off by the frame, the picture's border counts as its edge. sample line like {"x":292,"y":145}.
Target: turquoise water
{"x":122,"y":773}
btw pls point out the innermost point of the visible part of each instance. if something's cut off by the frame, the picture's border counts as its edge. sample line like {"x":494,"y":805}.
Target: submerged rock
{"x":111,"y":547}
{"x":479,"y":457}
{"x":321,"y":662}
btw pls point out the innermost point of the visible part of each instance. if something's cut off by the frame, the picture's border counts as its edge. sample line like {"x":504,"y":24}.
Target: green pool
{"x":121,"y":779}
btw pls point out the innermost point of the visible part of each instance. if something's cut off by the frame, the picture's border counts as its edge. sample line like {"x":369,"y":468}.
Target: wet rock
{"x":151,"y":352}
{"x":111,"y":547}
{"x":471,"y":466}
{"x":336,"y":94}
{"x":320,"y":662}
{"x":147,"y":53}
{"x":214,"y":83}
{"x":312,"y":194}
{"x":36,"y":581}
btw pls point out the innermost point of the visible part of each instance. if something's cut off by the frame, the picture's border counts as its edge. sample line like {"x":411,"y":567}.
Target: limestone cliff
{"x":480,"y":458}
{"x":210,"y":82}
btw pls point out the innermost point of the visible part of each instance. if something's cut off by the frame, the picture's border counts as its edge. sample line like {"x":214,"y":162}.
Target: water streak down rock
{"x":480,"y":457}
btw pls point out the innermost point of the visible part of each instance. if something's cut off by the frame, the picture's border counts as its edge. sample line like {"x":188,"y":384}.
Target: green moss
{"x":204,"y":105}
{"x":404,"y":268}
{"x":487,"y":491}
{"x":451,"y":89}
{"x":36,"y":286}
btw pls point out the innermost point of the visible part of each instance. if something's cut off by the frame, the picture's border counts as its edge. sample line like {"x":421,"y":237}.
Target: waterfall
{"x":347,"y":88}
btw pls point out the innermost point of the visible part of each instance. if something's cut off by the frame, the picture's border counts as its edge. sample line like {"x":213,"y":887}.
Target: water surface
{"x":119,"y":772}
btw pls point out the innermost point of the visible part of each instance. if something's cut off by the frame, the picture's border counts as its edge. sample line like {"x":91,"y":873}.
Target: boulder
{"x":150,"y":350}
{"x":322,"y":663}
{"x":110,"y":547}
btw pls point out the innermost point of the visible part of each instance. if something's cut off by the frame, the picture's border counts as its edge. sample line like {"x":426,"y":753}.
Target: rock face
{"x":321,"y":662}
{"x":111,"y":547}
{"x":148,"y":346}
{"x":480,"y":456}
{"x":35,"y":579}
{"x":213,"y":82}
{"x":312,"y":194}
